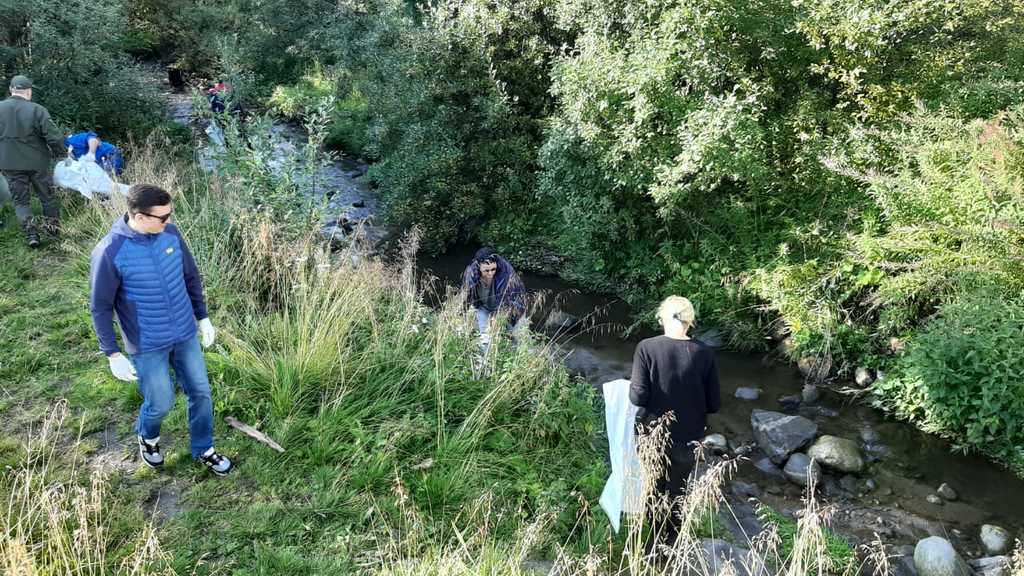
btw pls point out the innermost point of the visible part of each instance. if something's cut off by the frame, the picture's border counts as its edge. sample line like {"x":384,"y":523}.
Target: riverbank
{"x":393,"y":432}
{"x":404,"y":452}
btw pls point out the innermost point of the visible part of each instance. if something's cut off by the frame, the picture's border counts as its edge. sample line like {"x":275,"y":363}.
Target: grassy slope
{"x":371,"y":467}
{"x":406,"y":453}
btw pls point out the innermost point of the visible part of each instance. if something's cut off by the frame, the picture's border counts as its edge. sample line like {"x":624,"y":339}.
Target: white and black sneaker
{"x":217,"y":463}
{"x":150,"y":452}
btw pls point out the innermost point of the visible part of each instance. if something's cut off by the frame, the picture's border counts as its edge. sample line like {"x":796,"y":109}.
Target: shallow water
{"x":910,"y":463}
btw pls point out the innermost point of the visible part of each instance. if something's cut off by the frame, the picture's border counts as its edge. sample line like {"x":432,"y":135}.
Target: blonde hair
{"x":676,"y":307}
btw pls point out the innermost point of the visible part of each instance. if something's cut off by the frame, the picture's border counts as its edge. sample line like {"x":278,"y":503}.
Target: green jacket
{"x":27,"y":136}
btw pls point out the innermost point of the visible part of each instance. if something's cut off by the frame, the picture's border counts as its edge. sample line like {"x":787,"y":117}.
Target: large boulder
{"x":779,"y":435}
{"x":837,"y":453}
{"x":935,"y":556}
{"x":995,"y":539}
{"x":800,"y":469}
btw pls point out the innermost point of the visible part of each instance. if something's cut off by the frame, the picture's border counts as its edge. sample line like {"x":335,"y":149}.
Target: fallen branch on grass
{"x":253,"y":433}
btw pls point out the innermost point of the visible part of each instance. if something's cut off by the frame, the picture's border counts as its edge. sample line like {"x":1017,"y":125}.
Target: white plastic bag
{"x":623,"y":492}
{"x":86,"y":177}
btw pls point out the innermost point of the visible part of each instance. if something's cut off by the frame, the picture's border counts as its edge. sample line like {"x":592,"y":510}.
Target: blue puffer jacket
{"x":151,"y":282}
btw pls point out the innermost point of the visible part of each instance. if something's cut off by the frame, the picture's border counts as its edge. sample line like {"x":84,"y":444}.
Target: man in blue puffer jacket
{"x":143,"y":271}
{"x":492,"y":286}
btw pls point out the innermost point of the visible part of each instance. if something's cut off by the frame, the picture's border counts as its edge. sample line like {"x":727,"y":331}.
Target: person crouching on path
{"x":493,"y":286}
{"x":87,"y":146}
{"x":143,"y":271}
{"x":674,"y":373}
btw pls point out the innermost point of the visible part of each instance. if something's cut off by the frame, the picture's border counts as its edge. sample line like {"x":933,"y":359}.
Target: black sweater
{"x":677,"y":376}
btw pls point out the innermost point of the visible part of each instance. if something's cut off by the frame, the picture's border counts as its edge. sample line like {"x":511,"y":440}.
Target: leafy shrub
{"x":962,"y":376}
{"x":294,"y":100}
{"x":350,"y":121}
{"x":75,"y":56}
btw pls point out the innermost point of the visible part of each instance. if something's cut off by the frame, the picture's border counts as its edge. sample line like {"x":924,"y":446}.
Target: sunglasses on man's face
{"x":488,"y":269}
{"x":163,"y":219}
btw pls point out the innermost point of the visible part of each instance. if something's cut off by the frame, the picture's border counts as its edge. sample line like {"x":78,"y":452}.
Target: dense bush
{"x":962,"y":376}
{"x":75,"y":55}
{"x":836,"y":172}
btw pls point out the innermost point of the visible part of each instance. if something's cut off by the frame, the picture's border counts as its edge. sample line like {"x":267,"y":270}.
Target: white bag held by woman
{"x":624,"y":490}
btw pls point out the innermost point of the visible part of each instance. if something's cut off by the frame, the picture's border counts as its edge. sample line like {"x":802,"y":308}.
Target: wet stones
{"x":869,"y":436}
{"x":947,"y":492}
{"x":837,"y":453}
{"x":863,"y":377}
{"x":748,"y":393}
{"x":935,"y":556}
{"x":801,"y":470}
{"x":790,"y":403}
{"x":991,"y":566}
{"x":780,"y":435}
{"x":995,"y":539}
{"x":934,"y":499}
{"x":768,"y":468}
{"x":558,"y":321}
{"x":810,"y":394}
{"x":720,"y":557}
{"x":716,"y":443}
{"x":744,"y":490}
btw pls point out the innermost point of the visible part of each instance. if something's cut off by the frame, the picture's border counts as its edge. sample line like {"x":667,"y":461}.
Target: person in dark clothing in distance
{"x":674,"y":373}
{"x":493,"y":286}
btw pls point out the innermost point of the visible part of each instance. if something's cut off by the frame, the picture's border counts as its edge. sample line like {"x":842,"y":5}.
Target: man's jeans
{"x":483,"y":320}
{"x":157,"y":390}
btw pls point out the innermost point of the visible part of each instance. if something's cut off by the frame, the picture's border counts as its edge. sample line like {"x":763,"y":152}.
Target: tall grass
{"x":58,"y":521}
{"x":446,"y":460}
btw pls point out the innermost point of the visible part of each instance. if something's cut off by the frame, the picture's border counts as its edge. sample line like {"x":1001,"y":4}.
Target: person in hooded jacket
{"x":143,"y":272}
{"x":492,"y":287}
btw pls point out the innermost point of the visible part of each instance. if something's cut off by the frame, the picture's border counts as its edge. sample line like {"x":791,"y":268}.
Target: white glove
{"x":122,"y":368}
{"x":88,"y":157}
{"x":208,"y":332}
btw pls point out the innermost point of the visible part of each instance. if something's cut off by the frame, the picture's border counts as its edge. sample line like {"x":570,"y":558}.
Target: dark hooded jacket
{"x":509,"y":291}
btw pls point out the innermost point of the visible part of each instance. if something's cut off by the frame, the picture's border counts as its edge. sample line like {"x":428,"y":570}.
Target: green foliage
{"x":349,"y":121}
{"x":76,"y":57}
{"x":961,"y":376}
{"x":839,"y":554}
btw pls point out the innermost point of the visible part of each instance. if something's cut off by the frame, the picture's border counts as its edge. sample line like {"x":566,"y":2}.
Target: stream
{"x":904,"y":465}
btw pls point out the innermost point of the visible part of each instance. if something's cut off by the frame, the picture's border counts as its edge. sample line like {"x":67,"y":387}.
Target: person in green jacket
{"x":28,"y":141}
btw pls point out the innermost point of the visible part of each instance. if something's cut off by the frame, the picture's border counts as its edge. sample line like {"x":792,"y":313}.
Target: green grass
{"x":838,"y":555}
{"x":390,"y":432}
{"x":406,"y":453}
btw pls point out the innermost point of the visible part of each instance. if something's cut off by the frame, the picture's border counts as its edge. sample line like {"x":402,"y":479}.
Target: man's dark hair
{"x":142,"y":197}
{"x":486,"y":254}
